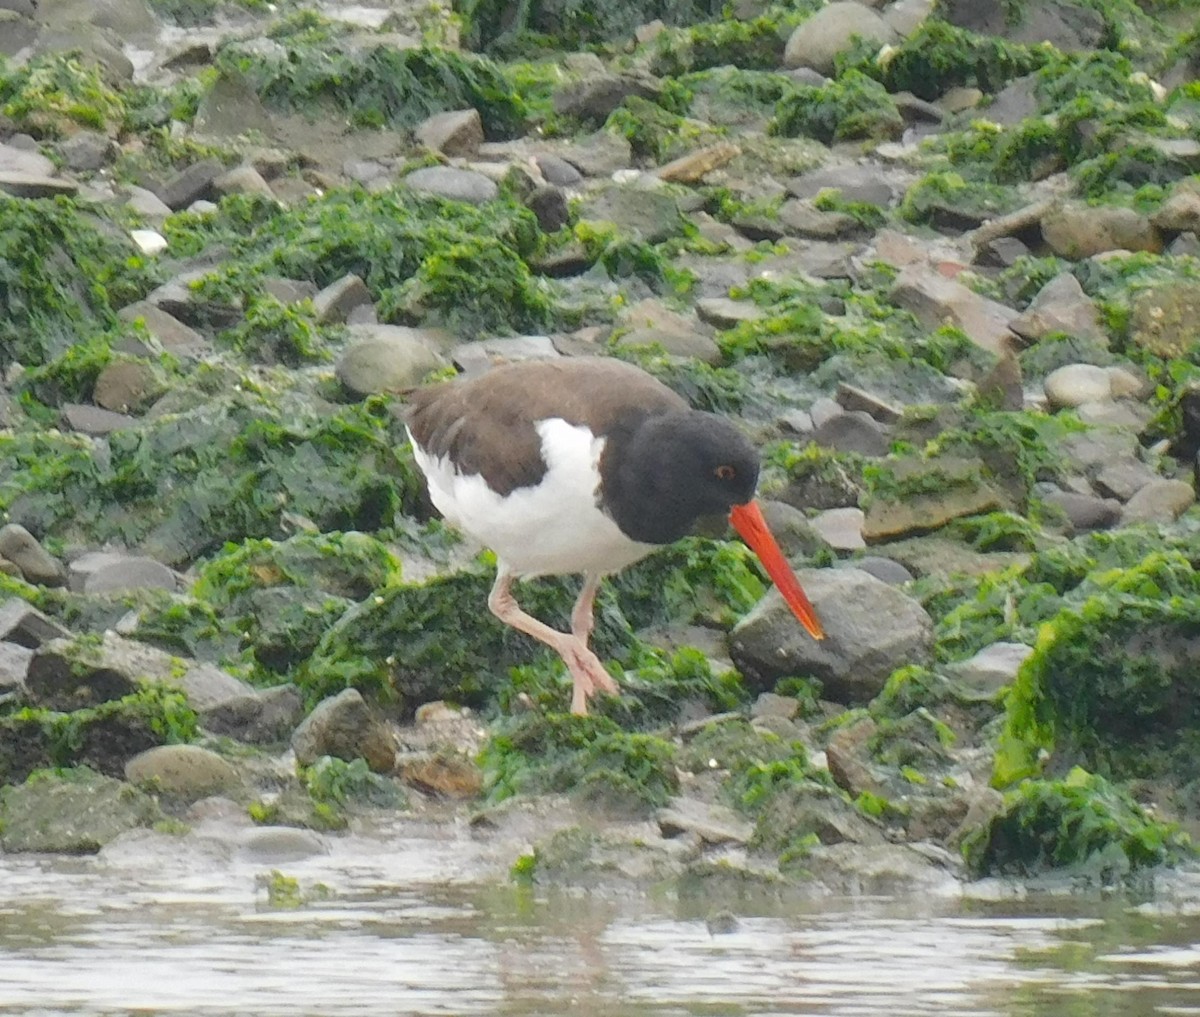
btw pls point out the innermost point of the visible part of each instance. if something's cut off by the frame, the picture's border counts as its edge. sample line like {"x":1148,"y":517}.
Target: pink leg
{"x":587,"y":673}
{"x":582,"y":618}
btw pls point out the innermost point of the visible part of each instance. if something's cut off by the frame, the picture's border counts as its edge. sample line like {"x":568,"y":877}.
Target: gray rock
{"x":883,"y":569}
{"x":37,"y":565}
{"x":386,"y":358}
{"x":186,"y":770}
{"x":23,"y":624}
{"x":242,"y":180}
{"x":1015,"y":102}
{"x":454,"y":133}
{"x":93,"y":420}
{"x":172,"y":334}
{"x":1160,"y":501}
{"x":484,"y":354}
{"x":86,"y":151}
{"x":1165,"y":318}
{"x":146,"y":203}
{"x":863,"y":182}
{"x":906,"y":16}
{"x":337,"y":300}
{"x":651,"y":215}
{"x":1061,"y":306}
{"x":938,"y":301}
{"x":854,"y":432}
{"x":14,"y":666}
{"x":1065,"y":24}
{"x":127,"y":385}
{"x":1075,"y":384}
{"x":129,"y":19}
{"x":1181,"y":211}
{"x":801,"y":218}
{"x":549,"y":204}
{"x":1092,"y":450}
{"x":724,"y":312}
{"x":871,"y":629}
{"x":600,"y":154}
{"x":29,"y":185}
{"x":260,"y":717}
{"x":1085,"y":512}
{"x":593,"y":98}
{"x":852,"y":398}
{"x":841,"y":528}
{"x":230,"y":108}
{"x":816,"y":42}
{"x":453,"y":184}
{"x":713,"y":824}
{"x":190,"y":184}
{"x":992,"y":668}
{"x":111,"y":572}
{"x":77,"y":812}
{"x":1123,"y":479}
{"x":344,"y":727}
{"x":14,"y":159}
{"x":289,"y":291}
{"x":270,"y":845}
{"x":69,"y":673}
{"x":558,"y":171}
{"x":1076,"y":230}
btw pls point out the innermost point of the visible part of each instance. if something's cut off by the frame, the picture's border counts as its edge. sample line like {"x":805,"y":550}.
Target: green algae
{"x":377,"y":86}
{"x":233,"y":468}
{"x":1111,"y":681}
{"x":589,"y":756}
{"x":101,"y":736}
{"x":1081,"y":822}
{"x":64,"y":271}
{"x":939,"y":56}
{"x":55,"y":94}
{"x":854,"y":106}
{"x":425,"y":260}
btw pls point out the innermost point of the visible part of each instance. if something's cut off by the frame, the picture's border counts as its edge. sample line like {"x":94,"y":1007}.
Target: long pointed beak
{"x":749,"y":522}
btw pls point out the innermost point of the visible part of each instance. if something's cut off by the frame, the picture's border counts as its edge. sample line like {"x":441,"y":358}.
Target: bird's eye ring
{"x":725,"y":472}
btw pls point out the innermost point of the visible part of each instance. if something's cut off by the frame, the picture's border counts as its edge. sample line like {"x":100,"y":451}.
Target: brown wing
{"x":487,"y":425}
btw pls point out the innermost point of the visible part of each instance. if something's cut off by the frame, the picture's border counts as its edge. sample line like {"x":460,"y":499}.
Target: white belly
{"x":553,"y":528}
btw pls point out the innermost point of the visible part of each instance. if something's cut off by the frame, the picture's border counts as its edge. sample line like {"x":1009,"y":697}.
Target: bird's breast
{"x":555,"y":526}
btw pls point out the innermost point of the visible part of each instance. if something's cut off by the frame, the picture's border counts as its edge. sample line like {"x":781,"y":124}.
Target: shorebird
{"x":584,"y":465}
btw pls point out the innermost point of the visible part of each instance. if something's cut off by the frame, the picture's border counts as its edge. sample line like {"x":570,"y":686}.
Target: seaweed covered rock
{"x":72,"y":812}
{"x":1081,"y":823}
{"x":1111,"y":683}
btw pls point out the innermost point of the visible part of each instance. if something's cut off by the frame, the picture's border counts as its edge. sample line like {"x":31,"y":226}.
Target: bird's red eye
{"x":725,"y":472}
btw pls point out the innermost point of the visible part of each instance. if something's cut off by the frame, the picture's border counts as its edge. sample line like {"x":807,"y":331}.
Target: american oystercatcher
{"x":583,"y":465}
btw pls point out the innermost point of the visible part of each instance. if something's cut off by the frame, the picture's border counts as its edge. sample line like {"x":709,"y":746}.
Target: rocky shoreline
{"x":940,"y":258}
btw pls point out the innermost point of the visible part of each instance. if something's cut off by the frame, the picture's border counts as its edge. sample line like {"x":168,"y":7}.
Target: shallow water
{"x":161,"y":925}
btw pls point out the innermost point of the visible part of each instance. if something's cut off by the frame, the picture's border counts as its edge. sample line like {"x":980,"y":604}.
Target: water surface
{"x":159,"y":925}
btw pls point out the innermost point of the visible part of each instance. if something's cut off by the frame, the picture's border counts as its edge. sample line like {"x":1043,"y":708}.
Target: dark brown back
{"x":487,"y":424}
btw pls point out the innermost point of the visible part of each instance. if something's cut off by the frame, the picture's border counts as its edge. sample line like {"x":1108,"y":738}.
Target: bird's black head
{"x":666,"y":472}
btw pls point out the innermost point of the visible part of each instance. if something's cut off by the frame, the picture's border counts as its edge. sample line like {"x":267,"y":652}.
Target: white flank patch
{"x":549,"y":529}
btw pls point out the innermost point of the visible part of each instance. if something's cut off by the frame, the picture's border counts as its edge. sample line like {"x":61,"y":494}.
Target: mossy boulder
{"x":1081,"y":823}
{"x":1112,"y":681}
{"x":71,"y":812}
{"x":232,"y":468}
{"x":853,"y":106}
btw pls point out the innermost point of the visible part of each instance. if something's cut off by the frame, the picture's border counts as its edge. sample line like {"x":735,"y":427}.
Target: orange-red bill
{"x":749,"y":522}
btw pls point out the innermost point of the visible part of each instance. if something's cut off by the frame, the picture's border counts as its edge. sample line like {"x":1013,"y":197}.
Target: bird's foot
{"x":588,"y":675}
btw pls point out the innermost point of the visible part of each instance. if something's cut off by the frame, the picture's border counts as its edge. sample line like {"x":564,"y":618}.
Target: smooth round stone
{"x":883,"y":569}
{"x":282,"y":844}
{"x":182,"y":770}
{"x":129,"y":574}
{"x":455,"y":184}
{"x":1075,"y":384}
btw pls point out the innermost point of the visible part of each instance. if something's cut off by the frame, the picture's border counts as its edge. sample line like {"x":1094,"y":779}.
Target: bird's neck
{"x":638,"y":491}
